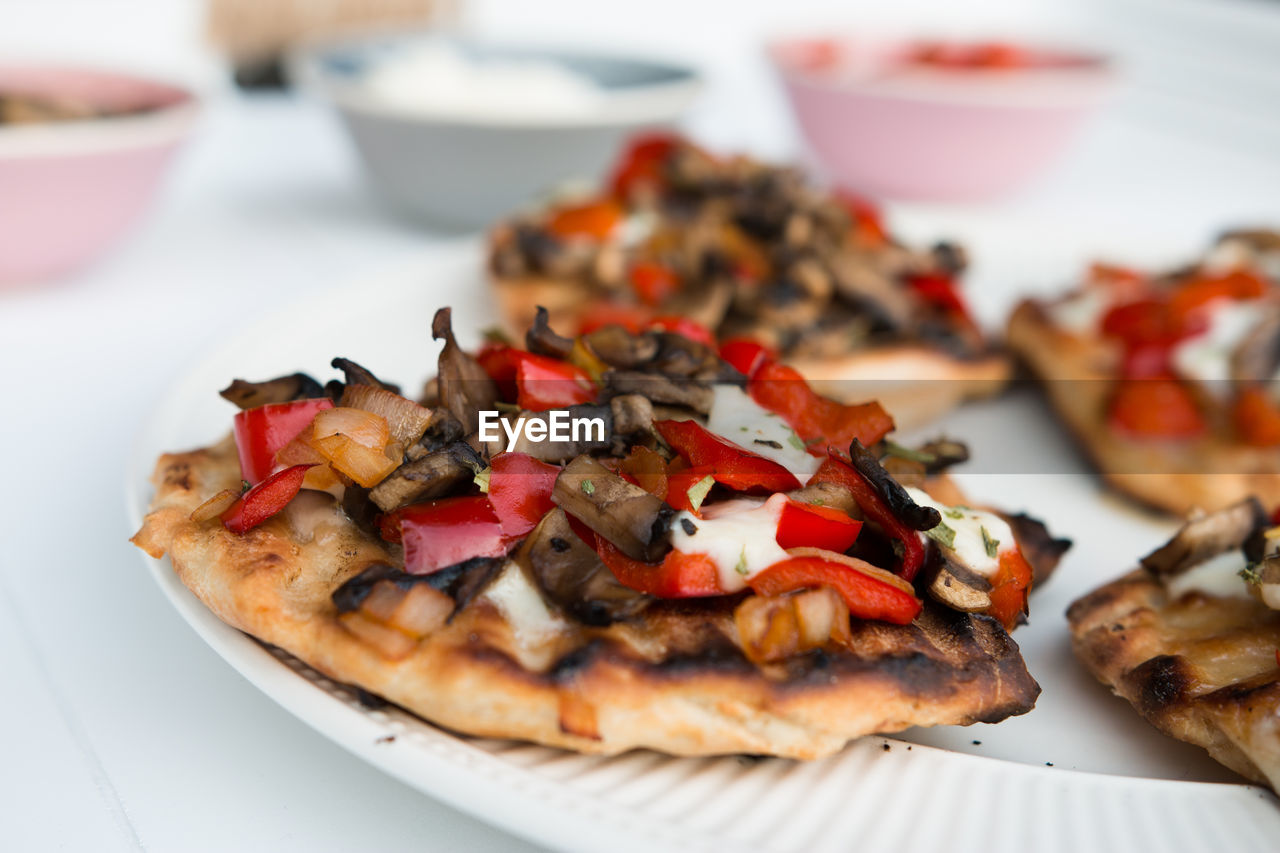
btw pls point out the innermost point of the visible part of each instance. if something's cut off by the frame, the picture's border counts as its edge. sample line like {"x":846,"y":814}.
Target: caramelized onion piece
{"x":774,"y":628}
{"x":394,"y":619}
{"x":405,"y":418}
{"x":215,"y":506}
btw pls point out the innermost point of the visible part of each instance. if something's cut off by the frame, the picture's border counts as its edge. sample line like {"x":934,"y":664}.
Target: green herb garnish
{"x":494,"y":335}
{"x":588,"y":487}
{"x":509,"y":408}
{"x":741,"y":568}
{"x":988,"y":542}
{"x":794,"y":441}
{"x":482,"y":479}
{"x":1250,"y":574}
{"x":952,"y":512}
{"x":244,"y":486}
{"x":698,"y":491}
{"x":943,"y":534}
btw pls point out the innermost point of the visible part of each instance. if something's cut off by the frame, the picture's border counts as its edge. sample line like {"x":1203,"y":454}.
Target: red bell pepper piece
{"x":680,"y":482}
{"x":654,"y":283}
{"x":1257,"y":418}
{"x":444,"y":532}
{"x":261,"y":432}
{"x":1190,"y":299}
{"x":941,"y":290}
{"x":1009,"y":588}
{"x":730,"y":464}
{"x":865,"y":596}
{"x":833,"y":470}
{"x":264,"y":500}
{"x":520,"y":491}
{"x":867,"y":225}
{"x":642,"y":163}
{"x":816,"y":420}
{"x":684,"y":326}
{"x":1155,"y":408}
{"x":746,"y":356}
{"x":805,"y":525}
{"x":499,"y":361}
{"x":546,"y":383}
{"x":679,"y":575}
{"x":594,"y":220}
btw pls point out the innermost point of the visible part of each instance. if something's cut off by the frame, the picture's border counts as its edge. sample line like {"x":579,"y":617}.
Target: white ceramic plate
{"x":1113,"y":783}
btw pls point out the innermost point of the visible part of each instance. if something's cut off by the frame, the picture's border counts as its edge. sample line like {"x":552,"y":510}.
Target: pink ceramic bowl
{"x":71,"y":189}
{"x":883,"y":123}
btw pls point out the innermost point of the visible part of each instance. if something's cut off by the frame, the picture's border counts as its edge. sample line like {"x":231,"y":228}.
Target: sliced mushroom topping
{"x":1205,"y":536}
{"x":628,"y":516}
{"x":861,"y":283}
{"x":357,"y":375}
{"x":828,"y":494}
{"x":659,"y":389}
{"x":283,"y":389}
{"x":894,"y":495}
{"x":706,"y":304}
{"x":950,"y":258}
{"x":431,"y":476}
{"x":442,"y":430}
{"x":465,"y":388}
{"x":632,"y":413}
{"x":541,"y":339}
{"x":572,"y":577}
{"x":681,"y":357}
{"x":959,"y":588}
{"x":1039,"y":548}
{"x":617,"y":347}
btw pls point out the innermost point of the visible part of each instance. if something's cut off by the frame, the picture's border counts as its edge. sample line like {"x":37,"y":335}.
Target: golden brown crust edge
{"x":917,"y":384}
{"x":1076,"y":376}
{"x":1202,"y":669}
{"x":275,"y":584}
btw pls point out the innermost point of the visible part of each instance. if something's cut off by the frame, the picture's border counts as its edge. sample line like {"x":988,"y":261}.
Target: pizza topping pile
{"x":1231,"y":553}
{"x":1197,"y":349}
{"x":746,"y":249}
{"x":713,"y":473}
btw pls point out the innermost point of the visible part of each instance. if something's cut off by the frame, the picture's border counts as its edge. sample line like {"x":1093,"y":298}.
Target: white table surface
{"x":121,"y":729}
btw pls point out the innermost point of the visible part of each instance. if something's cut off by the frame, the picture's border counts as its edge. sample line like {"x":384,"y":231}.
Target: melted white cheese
{"x":531,"y":621}
{"x":1218,"y":576}
{"x":738,"y":418}
{"x":740,"y":536}
{"x":1080,"y":313}
{"x":1207,"y":357}
{"x":1270,"y":593}
{"x":969,"y":547}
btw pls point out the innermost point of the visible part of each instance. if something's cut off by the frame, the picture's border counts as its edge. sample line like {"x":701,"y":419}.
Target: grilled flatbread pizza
{"x":1191,"y":638}
{"x":715,"y":562}
{"x":1167,"y":380}
{"x":751,"y":251}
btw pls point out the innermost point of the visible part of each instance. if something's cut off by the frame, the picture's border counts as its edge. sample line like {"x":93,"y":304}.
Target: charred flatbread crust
{"x":1201,"y":669}
{"x":673,"y":681}
{"x":1077,"y":374}
{"x":915,"y":383}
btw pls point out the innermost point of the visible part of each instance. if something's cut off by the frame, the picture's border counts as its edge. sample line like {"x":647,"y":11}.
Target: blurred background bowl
{"x":466,"y":168}
{"x":72,"y":188}
{"x":881,"y":125}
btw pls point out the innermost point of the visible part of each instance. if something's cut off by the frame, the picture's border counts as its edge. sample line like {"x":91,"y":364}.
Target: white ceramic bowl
{"x":466,"y":169}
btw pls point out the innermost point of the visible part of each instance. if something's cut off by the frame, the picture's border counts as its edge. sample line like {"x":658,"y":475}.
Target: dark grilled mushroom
{"x":1205,"y":536}
{"x":465,"y":388}
{"x":1041,"y":549}
{"x":282,"y":389}
{"x":632,"y":414}
{"x":431,"y":476}
{"x":659,"y":389}
{"x":617,"y":347}
{"x":895,"y":497}
{"x":861,"y":283}
{"x":442,"y":430}
{"x":355,"y":374}
{"x":572,"y":577}
{"x":628,"y":516}
{"x":683,"y":358}
{"x":543,"y":340}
